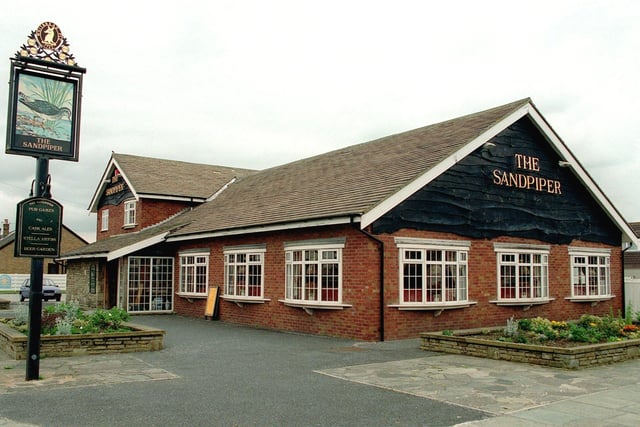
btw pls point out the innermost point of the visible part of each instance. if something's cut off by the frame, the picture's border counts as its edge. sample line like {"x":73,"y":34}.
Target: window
{"x":150,"y":284}
{"x":433,"y":272}
{"x":130,"y":212}
{"x":105,"y":220}
{"x":243,"y":273}
{"x":590,"y":273}
{"x":523,"y":273}
{"x":194,"y":274}
{"x":314,"y":274}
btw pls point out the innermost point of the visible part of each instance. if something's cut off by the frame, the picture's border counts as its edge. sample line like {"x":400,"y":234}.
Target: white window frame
{"x":302,"y":271}
{"x":129,"y":213}
{"x":238,"y":266}
{"x":591,"y":270}
{"x":104,"y":223}
{"x":447,"y":289}
{"x":149,"y":284}
{"x":525,"y":261}
{"x":194,"y":274}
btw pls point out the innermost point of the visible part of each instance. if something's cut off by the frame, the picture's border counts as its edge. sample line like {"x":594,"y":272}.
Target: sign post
{"x":43,"y":121}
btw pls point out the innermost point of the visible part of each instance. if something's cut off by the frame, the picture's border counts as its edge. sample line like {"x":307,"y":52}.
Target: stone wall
{"x":78,"y":278}
{"x":142,"y":338}
{"x":558,"y":357}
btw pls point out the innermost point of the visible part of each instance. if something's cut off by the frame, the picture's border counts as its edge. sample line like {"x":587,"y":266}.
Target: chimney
{"x":5,"y":228}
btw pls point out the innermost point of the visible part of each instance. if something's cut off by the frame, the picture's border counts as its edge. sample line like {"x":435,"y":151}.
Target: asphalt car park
{"x":224,"y":375}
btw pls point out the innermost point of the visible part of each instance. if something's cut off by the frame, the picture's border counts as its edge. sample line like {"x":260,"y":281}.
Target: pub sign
{"x":38,"y":228}
{"x":44,"y":98}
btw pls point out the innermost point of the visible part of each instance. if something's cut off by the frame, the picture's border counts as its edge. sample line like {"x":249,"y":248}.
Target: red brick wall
{"x":482,"y":271}
{"x":148,"y":212}
{"x":360,"y":287}
{"x":360,"y":280}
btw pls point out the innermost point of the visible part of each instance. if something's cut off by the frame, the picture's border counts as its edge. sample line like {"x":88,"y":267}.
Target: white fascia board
{"x":583,"y":176}
{"x":83,"y":256}
{"x":93,"y":206}
{"x":124,"y":176}
{"x":268,"y":228}
{"x":395,"y":199}
{"x":118,"y":253}
{"x":224,"y":187}
{"x":173,"y":198}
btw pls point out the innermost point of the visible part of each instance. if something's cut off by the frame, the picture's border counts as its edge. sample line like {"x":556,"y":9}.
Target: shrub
{"x":524,"y":324}
{"x":67,"y":318}
{"x":21,"y":314}
{"x":49,"y":321}
{"x":68,"y":310}
{"x":63,"y":326}
{"x":108,"y":320}
{"x":511,"y":330}
{"x":588,"y":329}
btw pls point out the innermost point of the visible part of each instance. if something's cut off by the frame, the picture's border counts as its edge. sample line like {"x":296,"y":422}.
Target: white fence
{"x":14,"y":281}
{"x":632,"y":293}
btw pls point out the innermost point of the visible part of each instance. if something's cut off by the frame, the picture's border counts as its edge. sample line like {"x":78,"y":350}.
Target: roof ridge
{"x":115,"y":155}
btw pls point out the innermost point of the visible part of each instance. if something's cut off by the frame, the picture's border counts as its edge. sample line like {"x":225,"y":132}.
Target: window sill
{"x":436,"y":307}
{"x":191,"y":297}
{"x":129,"y":226}
{"x":526,"y":304}
{"x":309,"y":307}
{"x":241,"y":301}
{"x":594,"y":300}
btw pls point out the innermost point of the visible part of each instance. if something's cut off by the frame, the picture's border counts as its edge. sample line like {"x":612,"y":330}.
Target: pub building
{"x":460,"y":224}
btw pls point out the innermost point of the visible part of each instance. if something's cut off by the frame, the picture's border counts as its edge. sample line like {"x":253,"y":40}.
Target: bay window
{"x":590,"y":272}
{"x":523,"y":272}
{"x":433,"y":272}
{"x":313,"y":273}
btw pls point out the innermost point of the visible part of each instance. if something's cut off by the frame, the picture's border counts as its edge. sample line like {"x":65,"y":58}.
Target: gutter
{"x":381,"y":246}
{"x":624,"y":296}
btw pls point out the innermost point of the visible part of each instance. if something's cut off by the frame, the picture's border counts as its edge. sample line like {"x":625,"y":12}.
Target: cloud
{"x":255,"y":84}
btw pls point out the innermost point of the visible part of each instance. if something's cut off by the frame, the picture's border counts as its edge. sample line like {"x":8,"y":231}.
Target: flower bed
{"x":140,"y":338}
{"x":67,"y":331}
{"x":590,"y":341}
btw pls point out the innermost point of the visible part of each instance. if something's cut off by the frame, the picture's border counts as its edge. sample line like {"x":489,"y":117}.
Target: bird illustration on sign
{"x":43,"y":108}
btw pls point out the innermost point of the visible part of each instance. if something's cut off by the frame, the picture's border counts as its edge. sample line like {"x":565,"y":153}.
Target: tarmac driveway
{"x":216,"y":374}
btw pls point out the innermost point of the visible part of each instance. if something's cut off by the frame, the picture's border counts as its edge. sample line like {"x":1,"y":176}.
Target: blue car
{"x":49,"y":290}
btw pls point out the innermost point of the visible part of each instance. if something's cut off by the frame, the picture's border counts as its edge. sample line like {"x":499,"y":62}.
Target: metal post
{"x":35,"y":292}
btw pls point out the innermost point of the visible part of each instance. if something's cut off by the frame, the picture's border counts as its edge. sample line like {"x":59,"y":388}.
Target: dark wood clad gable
{"x":115,"y":192}
{"x":512,"y":186}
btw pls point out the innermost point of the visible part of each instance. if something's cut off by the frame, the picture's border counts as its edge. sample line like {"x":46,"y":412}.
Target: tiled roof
{"x":152,"y":176}
{"x":635,"y":226}
{"x":120,"y":241}
{"x":348,"y":181}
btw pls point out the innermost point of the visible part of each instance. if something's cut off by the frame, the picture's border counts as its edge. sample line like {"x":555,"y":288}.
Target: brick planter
{"x":142,"y":338}
{"x":462,"y":342}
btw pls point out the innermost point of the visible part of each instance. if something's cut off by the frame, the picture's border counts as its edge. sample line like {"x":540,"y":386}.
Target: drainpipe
{"x":381,"y":246}
{"x":624,"y":297}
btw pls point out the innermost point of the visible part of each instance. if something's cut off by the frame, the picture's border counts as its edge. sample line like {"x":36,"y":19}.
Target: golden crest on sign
{"x":49,"y":35}
{"x":48,"y":44}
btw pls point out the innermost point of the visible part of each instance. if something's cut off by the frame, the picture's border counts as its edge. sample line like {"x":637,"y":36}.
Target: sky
{"x":255,"y":84}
